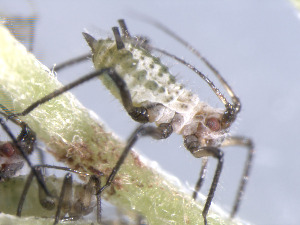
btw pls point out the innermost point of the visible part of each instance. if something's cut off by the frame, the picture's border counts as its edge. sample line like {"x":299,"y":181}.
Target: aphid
{"x":75,"y":202}
{"x":74,"y":205}
{"x":14,"y":153}
{"x":149,"y":93}
{"x":13,"y":188}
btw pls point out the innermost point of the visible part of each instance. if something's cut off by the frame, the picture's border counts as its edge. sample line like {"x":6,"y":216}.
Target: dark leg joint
{"x":139,"y":114}
{"x":163,"y":131}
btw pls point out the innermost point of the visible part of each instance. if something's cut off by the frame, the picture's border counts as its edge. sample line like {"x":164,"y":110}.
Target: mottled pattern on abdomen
{"x":148,"y":80}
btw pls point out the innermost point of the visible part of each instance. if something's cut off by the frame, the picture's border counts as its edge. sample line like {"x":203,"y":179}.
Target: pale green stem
{"x":296,"y":3}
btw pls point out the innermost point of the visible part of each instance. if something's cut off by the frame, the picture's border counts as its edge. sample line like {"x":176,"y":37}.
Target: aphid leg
{"x":161,"y":132}
{"x":72,"y":62}
{"x":218,"y":154}
{"x":24,"y":193}
{"x":45,"y":200}
{"x":27,"y":136}
{"x":76,"y":208}
{"x":97,"y":183}
{"x":83,"y":203}
{"x":201,"y":177}
{"x":41,"y":155}
{"x":245,"y":142}
{"x":23,"y":150}
{"x":65,"y":197}
{"x":137,"y":113}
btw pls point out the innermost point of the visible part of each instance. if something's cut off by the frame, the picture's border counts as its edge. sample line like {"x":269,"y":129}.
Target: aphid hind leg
{"x":245,"y":142}
{"x":161,"y":132}
{"x":137,"y":113}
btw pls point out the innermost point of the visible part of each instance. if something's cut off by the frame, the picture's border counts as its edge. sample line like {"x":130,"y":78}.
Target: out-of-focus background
{"x":255,"y":46}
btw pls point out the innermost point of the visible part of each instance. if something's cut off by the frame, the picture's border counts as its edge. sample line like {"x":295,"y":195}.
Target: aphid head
{"x":210,"y":131}
{"x":205,"y":130}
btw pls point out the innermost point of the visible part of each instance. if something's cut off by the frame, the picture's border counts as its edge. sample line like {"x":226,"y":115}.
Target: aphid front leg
{"x":192,"y":144}
{"x":245,"y":142}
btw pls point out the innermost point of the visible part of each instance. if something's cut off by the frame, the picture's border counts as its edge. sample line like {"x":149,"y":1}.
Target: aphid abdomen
{"x":148,"y":80}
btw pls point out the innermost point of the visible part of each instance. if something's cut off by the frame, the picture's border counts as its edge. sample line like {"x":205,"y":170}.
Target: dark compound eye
{"x":213,"y":124}
{"x":7,"y":149}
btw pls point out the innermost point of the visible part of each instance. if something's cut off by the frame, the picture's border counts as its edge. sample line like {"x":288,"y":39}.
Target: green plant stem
{"x":296,"y":3}
{"x":79,"y":140}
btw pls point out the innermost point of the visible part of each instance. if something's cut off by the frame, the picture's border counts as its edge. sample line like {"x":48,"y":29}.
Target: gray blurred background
{"x":255,"y":46}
